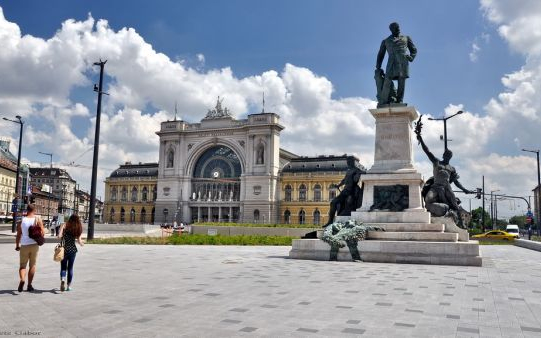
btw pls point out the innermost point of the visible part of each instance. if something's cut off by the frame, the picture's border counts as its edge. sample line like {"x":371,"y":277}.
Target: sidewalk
{"x":231,"y":291}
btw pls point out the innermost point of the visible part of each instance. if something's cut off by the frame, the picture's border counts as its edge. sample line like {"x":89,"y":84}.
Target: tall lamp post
{"x":50,"y":187}
{"x":17,"y":197}
{"x":444,"y":119}
{"x":99,"y":90}
{"x":492,"y":208}
{"x":539,"y":188}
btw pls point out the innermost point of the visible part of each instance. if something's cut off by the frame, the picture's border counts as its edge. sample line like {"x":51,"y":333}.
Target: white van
{"x":513,"y":230}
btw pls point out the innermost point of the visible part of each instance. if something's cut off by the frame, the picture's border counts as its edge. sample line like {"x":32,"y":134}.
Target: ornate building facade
{"x":130,"y":194}
{"x":221,"y":169}
{"x":307,"y":187}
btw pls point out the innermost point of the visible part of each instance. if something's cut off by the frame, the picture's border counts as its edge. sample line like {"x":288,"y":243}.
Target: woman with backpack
{"x":27,"y":247}
{"x":69,"y":233}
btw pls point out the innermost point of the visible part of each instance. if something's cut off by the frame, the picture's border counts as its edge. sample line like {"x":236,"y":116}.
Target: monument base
{"x":405,"y":252}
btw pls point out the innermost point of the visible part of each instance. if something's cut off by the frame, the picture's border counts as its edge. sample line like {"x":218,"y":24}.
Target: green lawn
{"x":186,"y":239}
{"x":259,"y":225}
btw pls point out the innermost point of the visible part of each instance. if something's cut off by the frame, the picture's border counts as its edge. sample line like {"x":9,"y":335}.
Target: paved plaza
{"x":223,"y":291}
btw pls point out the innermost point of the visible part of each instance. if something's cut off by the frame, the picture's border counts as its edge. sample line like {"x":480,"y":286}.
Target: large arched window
{"x":134,"y":194}
{"x":112,"y":215}
{"x":288,"y":191}
{"x":154,"y":193}
{"x":124,"y":194}
{"x":287,"y":217}
{"x":332,"y":192}
{"x":122,"y":215}
{"x":218,"y":162}
{"x":317,"y":193}
{"x":256,"y":215}
{"x":317,"y":217}
{"x":114,"y":193}
{"x":216,"y":175}
{"x":132,"y":215}
{"x":152,"y":215}
{"x":302,"y":193}
{"x":144,"y":196}
{"x":302,"y":217}
{"x":143,"y":215}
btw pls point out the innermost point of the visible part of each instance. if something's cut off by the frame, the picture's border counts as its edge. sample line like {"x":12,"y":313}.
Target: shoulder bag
{"x":36,"y":233}
{"x":59,"y":250}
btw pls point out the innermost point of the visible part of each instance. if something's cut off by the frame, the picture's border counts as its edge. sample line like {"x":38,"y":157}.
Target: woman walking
{"x":69,"y":232}
{"x":27,"y":247}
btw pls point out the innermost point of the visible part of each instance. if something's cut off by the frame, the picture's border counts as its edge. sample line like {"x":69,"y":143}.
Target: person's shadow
{"x":15,"y":292}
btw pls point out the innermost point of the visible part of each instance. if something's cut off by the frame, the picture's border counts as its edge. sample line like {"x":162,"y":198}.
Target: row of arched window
{"x":134,"y":194}
{"x":133,"y":217}
{"x":300,"y":218}
{"x":302,"y":193}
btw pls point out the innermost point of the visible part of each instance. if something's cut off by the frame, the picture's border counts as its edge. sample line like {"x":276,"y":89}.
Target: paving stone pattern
{"x":228,"y":291}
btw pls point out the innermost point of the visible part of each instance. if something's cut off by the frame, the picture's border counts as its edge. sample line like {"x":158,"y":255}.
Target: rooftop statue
{"x":218,"y":111}
{"x":400,"y":52}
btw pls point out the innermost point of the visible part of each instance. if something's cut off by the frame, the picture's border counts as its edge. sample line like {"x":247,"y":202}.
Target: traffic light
{"x":25,"y":199}
{"x":479,"y":193}
{"x":32,"y":199}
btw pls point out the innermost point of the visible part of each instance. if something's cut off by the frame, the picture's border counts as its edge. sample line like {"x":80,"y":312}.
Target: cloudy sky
{"x":314,"y":60}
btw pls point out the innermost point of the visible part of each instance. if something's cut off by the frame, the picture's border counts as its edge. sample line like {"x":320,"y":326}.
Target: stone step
{"x":417,"y":216}
{"x":410,"y":227}
{"x":413,"y":236}
{"x":405,"y":252}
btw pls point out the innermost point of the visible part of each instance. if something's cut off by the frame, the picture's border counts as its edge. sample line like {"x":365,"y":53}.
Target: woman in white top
{"x":27,"y":247}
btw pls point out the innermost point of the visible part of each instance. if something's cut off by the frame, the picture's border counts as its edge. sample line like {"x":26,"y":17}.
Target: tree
{"x":518,"y":220}
{"x":476,"y":219}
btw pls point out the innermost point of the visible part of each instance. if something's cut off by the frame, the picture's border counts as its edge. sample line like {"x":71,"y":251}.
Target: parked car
{"x":513,"y":230}
{"x":495,"y":234}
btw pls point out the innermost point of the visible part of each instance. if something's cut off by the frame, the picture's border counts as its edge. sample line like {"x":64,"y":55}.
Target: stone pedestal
{"x":393,"y":157}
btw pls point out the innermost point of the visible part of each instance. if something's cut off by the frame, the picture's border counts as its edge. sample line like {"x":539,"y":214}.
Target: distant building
{"x":8,"y":172}
{"x":82,"y":204}
{"x":46,"y":204}
{"x":307,"y":187}
{"x":130,"y":194}
{"x":61,"y":183}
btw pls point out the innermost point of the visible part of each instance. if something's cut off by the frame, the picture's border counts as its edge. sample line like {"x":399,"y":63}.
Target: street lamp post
{"x":99,"y":90}
{"x":50,"y":187}
{"x":444,"y":119}
{"x":492,"y":209}
{"x":538,"y":187}
{"x":21,"y":123}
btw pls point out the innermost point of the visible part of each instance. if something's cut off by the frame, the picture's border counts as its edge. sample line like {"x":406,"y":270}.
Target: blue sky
{"x":335,"y":39}
{"x":314,"y":59}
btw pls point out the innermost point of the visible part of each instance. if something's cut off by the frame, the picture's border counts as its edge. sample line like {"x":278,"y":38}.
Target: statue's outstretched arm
{"x":461,"y":187}
{"x":381,"y":55}
{"x":431,"y":156}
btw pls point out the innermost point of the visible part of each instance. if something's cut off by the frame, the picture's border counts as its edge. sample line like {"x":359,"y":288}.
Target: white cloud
{"x":474,"y":52}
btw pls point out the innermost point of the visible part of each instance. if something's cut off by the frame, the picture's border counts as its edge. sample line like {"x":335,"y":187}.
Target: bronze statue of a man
{"x":398,"y":59}
{"x":438,"y":194}
{"x":350,"y":198}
